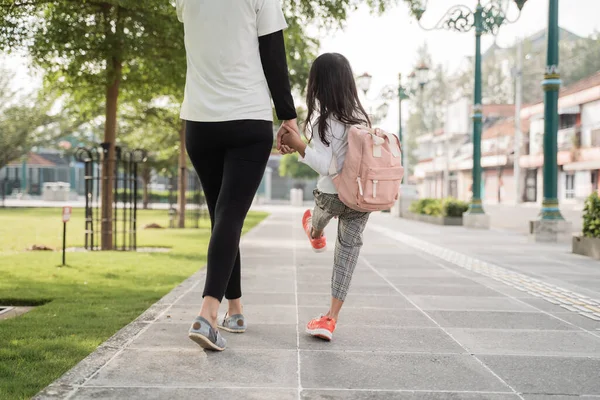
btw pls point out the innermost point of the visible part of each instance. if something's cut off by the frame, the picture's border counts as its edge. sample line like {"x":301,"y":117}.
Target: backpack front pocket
{"x":381,"y":185}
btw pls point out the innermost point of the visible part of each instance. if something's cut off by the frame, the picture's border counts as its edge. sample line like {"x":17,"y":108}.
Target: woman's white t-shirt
{"x":225,"y":79}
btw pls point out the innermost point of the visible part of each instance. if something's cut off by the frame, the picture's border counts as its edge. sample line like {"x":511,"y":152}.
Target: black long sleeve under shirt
{"x":274,"y":63}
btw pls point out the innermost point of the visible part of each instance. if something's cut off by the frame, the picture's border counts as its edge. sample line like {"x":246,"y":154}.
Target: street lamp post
{"x":551,"y":223}
{"x":485,"y":19}
{"x":387,"y":93}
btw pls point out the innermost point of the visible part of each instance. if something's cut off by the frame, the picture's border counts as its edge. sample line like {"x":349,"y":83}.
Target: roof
{"x":498,"y":110}
{"x":42,"y":160}
{"x":585,"y":83}
{"x":504,"y":127}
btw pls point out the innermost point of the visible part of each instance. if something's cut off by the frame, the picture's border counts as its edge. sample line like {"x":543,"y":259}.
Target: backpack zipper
{"x":375,"y":188}
{"x":360,"y":188}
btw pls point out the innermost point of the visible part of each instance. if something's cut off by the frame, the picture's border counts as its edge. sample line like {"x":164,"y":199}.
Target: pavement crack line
{"x":440,"y":327}
{"x":569,"y":300}
{"x":295,"y":262}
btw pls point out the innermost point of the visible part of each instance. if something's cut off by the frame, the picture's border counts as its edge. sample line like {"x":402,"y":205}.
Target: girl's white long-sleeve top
{"x":319,"y":157}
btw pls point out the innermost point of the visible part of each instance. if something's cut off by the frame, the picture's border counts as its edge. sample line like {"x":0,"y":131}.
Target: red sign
{"x":66,"y":214}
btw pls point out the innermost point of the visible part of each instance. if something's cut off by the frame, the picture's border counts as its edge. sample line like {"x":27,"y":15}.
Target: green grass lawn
{"x":85,"y":302}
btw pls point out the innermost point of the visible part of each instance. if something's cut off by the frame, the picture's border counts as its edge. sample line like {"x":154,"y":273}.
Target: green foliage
{"x":79,"y":43}
{"x":91,"y":298}
{"x":292,"y":168}
{"x":427,"y":206}
{"x":454,"y":208}
{"x":579,"y":58}
{"x":591,"y":216}
{"x":439,"y":207}
{"x":26,"y":121}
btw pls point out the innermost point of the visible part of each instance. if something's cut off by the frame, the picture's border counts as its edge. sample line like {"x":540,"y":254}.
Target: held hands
{"x":288,"y":137}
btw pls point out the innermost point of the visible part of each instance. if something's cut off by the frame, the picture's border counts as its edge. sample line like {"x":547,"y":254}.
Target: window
{"x":570,"y":186}
{"x":567,"y":121}
{"x":595,"y":181}
{"x":596,"y":137}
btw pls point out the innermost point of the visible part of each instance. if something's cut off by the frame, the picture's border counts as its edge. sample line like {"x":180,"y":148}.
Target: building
{"x":27,"y":176}
{"x":449,"y":151}
{"x":578,"y":151}
{"x":578,"y":143}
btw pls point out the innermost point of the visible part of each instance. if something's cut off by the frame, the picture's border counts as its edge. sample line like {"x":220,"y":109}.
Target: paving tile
{"x":555,"y":397}
{"x":579,"y":321}
{"x":356,"y":288}
{"x":263,"y":284}
{"x":537,"y":375}
{"x":354,"y":300}
{"x":468,"y":303}
{"x":396,"y":395}
{"x":258,"y":336}
{"x":432,"y":281}
{"x":395,"y":371}
{"x":497,"y":320}
{"x":256,"y":314}
{"x":415,"y":273}
{"x":426,"y":340}
{"x":470,"y":290}
{"x":544,"y":305}
{"x":248,"y":299}
{"x":517,"y":342}
{"x":253,"y":368}
{"x":353,"y":317}
{"x":184,"y":394}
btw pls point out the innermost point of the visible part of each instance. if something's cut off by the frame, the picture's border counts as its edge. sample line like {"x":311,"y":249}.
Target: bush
{"x":454,"y":207}
{"x":419,"y":206}
{"x":438,"y":207}
{"x":591,"y":216}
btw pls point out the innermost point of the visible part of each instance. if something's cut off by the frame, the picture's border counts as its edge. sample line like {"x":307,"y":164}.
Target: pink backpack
{"x":372,"y":172}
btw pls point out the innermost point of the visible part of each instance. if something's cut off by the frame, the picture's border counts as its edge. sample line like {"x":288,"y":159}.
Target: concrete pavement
{"x":433,"y":313}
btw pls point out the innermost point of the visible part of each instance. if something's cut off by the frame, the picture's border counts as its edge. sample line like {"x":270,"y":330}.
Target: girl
{"x":333,"y":105}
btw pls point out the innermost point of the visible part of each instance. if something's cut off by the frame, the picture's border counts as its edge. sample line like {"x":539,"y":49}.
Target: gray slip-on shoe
{"x":234,"y":324}
{"x":206,"y":336}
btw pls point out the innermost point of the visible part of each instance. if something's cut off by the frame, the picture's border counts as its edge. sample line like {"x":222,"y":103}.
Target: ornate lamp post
{"x":551,"y":223}
{"x":486,"y":18}
{"x":363,"y":83}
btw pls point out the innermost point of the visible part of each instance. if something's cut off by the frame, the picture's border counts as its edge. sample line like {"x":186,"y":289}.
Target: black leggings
{"x":230,"y":159}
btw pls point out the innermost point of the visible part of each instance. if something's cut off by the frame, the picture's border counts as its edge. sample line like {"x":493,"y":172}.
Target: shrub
{"x":419,"y":206}
{"x":591,"y":216}
{"x":454,"y":207}
{"x":438,"y":207}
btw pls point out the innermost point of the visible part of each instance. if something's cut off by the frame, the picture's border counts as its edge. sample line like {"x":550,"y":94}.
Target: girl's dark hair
{"x":332,"y":92}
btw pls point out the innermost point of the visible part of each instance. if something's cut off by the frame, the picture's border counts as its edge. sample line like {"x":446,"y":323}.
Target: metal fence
{"x":195,"y":204}
{"x":125,"y":195}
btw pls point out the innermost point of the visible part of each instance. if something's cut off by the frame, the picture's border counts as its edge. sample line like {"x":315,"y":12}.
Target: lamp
{"x":364,"y":82}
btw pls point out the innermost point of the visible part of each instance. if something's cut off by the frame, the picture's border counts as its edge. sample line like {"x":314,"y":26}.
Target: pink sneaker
{"x":319,"y":245}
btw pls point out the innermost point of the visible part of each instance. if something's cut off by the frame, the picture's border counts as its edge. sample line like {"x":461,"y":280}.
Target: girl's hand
{"x":292,"y":139}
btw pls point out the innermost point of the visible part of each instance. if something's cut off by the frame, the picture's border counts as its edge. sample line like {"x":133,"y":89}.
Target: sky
{"x":387,"y":45}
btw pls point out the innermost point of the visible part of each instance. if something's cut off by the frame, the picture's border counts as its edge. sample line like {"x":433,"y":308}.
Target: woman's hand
{"x":290,"y":126}
{"x":291,"y":139}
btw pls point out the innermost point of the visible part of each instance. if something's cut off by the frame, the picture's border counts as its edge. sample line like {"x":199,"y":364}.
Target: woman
{"x":235,"y":57}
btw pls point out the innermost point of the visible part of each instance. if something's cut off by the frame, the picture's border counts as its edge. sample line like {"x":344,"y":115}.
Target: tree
{"x":95,"y":50}
{"x":156,"y":127}
{"x":103,"y":51}
{"x":27,"y":121}
{"x":292,"y":168}
{"x":427,"y":108}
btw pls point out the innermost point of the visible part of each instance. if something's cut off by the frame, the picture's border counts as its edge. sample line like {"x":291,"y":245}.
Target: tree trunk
{"x":145,"y":182}
{"x":114,"y":71}
{"x":182,"y":177}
